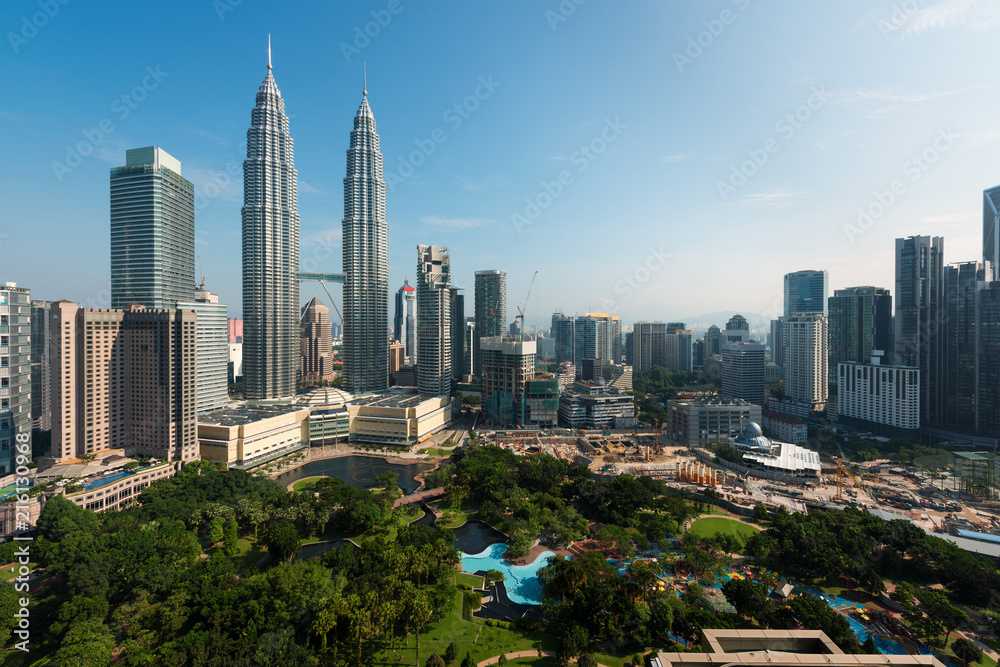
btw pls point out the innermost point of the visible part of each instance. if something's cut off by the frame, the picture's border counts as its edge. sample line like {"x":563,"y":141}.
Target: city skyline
{"x":460,"y":198}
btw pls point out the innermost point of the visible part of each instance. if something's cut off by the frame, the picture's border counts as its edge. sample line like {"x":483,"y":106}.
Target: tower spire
{"x":364,"y":91}
{"x":269,"y":52}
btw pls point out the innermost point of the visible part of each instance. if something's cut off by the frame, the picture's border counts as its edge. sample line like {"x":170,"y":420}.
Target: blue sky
{"x":656,"y":159}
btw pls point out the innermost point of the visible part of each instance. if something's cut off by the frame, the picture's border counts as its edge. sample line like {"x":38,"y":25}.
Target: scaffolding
{"x":976,"y":474}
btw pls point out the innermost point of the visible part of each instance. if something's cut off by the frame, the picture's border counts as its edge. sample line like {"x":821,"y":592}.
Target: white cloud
{"x":974,"y":15}
{"x":774,"y":199}
{"x":454,"y":223}
{"x":679,"y":157}
{"x":887,"y":101}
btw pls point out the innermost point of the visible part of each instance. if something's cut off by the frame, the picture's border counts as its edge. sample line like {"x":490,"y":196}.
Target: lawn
{"x":987,"y":661}
{"x":713,"y":526}
{"x":433,"y":452}
{"x":473,"y":580}
{"x":307,"y":483}
{"x":11,"y":571}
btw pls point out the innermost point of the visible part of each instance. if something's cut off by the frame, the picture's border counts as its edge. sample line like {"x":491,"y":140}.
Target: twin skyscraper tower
{"x":271,"y":254}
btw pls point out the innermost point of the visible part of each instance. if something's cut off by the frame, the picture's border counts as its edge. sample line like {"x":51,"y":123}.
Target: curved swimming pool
{"x":521,"y":581}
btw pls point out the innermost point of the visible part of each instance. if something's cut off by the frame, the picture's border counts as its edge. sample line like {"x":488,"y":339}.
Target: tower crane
{"x":524,"y":304}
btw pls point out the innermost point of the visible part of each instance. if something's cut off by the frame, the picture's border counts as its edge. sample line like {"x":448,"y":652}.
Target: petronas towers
{"x":270,"y":250}
{"x":271,"y":254}
{"x":366,"y":263}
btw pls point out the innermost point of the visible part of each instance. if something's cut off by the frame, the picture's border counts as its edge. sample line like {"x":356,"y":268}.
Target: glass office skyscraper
{"x":152,"y":231}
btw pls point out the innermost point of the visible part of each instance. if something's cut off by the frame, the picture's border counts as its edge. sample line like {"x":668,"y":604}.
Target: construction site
{"x":931,"y":499}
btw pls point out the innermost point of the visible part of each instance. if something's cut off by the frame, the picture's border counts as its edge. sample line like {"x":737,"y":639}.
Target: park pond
{"x":357,"y":470}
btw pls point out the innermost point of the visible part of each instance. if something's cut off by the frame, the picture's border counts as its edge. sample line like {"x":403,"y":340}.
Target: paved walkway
{"x":417,"y":497}
{"x":525,"y":654}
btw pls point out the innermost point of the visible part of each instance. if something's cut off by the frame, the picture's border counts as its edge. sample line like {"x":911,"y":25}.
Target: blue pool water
{"x":520,"y":580}
{"x":104,"y":481}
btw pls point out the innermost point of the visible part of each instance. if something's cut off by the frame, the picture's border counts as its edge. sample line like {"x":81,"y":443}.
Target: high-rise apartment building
{"x":152,"y":231}
{"x":743,"y":371}
{"x":41,"y":369}
{"x":211,"y":349}
{"x":991,"y":231}
{"x":649,"y":345}
{"x":491,"y":309}
{"x":919,"y":314}
{"x":366,"y":260}
{"x":806,"y":293}
{"x":15,"y":370}
{"x":271,"y":250}
{"x":123,"y":379}
{"x":433,"y":321}
{"x":884,"y":400}
{"x":404,"y":326}
{"x":860,"y":326}
{"x":807,"y":361}
{"x":316,"y":342}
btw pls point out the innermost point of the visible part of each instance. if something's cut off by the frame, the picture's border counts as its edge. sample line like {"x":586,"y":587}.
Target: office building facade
{"x":743,"y":372}
{"x":806,"y":293}
{"x":41,"y":369}
{"x":270,"y":250}
{"x":988,"y":378}
{"x":405,"y":320}
{"x":564,"y":332}
{"x":457,"y":333}
{"x":702,"y":420}
{"x":991,"y":232}
{"x":919,"y":314}
{"x":152,"y":231}
{"x":211,"y":350}
{"x":316,"y":343}
{"x":962,"y":283}
{"x":860,"y":325}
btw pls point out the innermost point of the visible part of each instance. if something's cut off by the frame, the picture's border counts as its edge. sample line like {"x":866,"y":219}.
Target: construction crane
{"x":841,"y":471}
{"x":202,"y":272}
{"x":524,"y":304}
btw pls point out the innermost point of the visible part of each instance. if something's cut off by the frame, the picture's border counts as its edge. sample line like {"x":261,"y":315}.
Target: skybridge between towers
{"x":323,"y":279}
